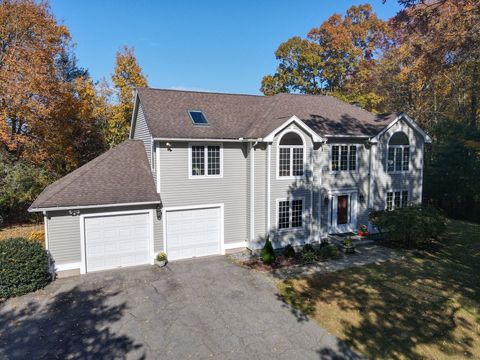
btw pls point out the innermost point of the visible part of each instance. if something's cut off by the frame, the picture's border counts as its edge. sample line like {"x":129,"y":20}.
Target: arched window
{"x":398,"y":157}
{"x":291,"y":153}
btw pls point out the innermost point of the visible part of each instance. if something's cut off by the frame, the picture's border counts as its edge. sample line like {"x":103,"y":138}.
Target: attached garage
{"x":193,"y":232}
{"x":117,"y":240}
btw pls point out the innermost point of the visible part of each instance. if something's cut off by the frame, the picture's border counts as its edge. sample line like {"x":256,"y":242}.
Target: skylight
{"x":198,"y":118}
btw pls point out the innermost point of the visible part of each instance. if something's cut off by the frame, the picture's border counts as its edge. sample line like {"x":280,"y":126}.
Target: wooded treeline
{"x":425,"y":61}
{"x":53,"y":116}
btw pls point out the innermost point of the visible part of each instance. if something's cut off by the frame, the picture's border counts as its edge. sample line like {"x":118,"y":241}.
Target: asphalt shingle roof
{"x":233,"y":116}
{"x":119,"y":176}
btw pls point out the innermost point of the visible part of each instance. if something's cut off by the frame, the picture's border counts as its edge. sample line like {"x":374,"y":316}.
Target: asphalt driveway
{"x":199,"y":309}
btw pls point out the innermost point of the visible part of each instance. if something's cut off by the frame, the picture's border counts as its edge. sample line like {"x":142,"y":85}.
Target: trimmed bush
{"x":328,"y":251}
{"x":289,"y":251}
{"x":308,"y":248}
{"x":309,"y":257}
{"x":267,"y":254}
{"x":23,"y":267}
{"x":411,"y":225}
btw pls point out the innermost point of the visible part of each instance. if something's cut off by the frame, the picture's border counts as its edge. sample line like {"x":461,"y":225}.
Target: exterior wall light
{"x":169,"y":146}
{"x":361,"y":198}
{"x":74,"y":212}
{"x":325,"y":200}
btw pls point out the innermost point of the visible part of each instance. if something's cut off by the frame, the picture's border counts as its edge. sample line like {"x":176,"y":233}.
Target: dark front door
{"x":342,"y":210}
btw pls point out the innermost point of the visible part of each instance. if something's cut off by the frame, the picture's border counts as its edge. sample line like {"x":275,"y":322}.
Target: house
{"x":203,"y":173}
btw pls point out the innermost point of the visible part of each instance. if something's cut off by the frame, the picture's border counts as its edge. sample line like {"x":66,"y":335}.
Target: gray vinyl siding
{"x":64,"y":233}
{"x":177,"y":189}
{"x":344,"y":180}
{"x":291,"y":189}
{"x":260,"y":195}
{"x":410,"y":180}
{"x":63,"y":237}
{"x":141,"y":132}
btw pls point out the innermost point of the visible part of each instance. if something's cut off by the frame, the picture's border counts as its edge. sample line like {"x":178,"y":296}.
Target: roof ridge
{"x":99,"y":161}
{"x":202,"y":92}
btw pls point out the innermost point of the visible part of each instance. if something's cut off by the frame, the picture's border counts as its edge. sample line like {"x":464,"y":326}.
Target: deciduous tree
{"x":126,"y":78}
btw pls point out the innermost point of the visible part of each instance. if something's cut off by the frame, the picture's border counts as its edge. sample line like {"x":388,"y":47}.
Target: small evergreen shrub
{"x":328,"y":251}
{"x":308,"y":248}
{"x":267,"y":254}
{"x":23,"y":267}
{"x":289,"y":251}
{"x":308,"y":257}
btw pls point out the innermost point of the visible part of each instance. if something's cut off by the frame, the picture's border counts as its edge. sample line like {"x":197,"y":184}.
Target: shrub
{"x":328,"y":251}
{"x":308,"y":256}
{"x":289,"y":251}
{"x":161,"y":256}
{"x":308,"y":248}
{"x":267,"y":254}
{"x":23,"y":267}
{"x":411,"y":225}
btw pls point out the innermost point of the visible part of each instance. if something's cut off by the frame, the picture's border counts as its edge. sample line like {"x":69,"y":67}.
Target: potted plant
{"x":161,"y":259}
{"x":348,"y":246}
{"x":363,"y":230}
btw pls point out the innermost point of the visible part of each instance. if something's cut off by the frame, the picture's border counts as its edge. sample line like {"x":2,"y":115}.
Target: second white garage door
{"x":117,"y":241}
{"x":193,"y":233}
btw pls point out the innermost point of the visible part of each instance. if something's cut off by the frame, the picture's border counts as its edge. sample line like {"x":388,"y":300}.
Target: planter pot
{"x":362,"y":233}
{"x":349,"y":249}
{"x":161,"y":263}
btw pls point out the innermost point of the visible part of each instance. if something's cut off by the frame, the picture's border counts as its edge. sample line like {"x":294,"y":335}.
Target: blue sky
{"x":225,"y":46}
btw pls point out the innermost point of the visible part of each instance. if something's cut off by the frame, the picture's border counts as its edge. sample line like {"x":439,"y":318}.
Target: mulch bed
{"x":281,"y":263}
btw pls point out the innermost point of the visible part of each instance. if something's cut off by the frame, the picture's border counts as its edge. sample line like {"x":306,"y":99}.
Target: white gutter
{"x":73,"y":207}
{"x":206,"y":140}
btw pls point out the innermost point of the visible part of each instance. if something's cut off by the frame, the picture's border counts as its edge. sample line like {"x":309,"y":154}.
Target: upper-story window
{"x":398,"y":154}
{"x":344,"y":158}
{"x":291,"y":155}
{"x":205,"y":161}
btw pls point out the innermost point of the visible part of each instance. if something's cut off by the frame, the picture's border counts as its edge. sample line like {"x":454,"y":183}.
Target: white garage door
{"x":192,"y":233}
{"x":117,"y":241}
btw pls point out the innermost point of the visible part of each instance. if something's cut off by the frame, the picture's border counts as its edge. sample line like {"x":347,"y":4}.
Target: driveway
{"x":201,"y":309}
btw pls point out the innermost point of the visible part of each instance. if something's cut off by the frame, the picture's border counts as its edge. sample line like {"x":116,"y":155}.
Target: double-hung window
{"x":344,"y":158}
{"x":205,"y":161}
{"x":290,"y":214}
{"x":291,"y":156}
{"x":398,"y":154}
{"x":397,"y":199}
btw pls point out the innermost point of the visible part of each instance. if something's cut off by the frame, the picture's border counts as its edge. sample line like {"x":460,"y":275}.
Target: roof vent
{"x":197,"y":117}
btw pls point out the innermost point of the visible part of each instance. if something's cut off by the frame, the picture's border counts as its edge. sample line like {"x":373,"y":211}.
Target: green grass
{"x":425,"y":306}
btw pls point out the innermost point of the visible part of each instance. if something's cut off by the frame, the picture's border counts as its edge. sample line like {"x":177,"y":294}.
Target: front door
{"x":343,"y":212}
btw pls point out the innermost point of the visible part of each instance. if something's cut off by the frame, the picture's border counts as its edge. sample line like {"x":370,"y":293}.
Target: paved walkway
{"x":202,"y":309}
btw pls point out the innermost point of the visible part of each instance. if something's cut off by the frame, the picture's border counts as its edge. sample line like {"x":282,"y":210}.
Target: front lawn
{"x":426,"y":305}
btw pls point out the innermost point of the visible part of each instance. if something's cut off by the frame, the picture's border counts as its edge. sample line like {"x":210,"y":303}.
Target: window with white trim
{"x":206,"y":160}
{"x":397,"y":199}
{"x":291,"y":156}
{"x":344,"y":158}
{"x":290,"y":214}
{"x":398,"y":153}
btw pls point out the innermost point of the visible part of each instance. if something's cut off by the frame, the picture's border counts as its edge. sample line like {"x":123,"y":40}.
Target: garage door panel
{"x":193,"y":233}
{"x":117,"y":241}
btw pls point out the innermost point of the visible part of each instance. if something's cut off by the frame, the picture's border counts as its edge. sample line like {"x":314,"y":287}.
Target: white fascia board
{"x":75,"y":207}
{"x":294,"y":119}
{"x":410,"y":121}
{"x":204,"y":140}
{"x":132,"y":120}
